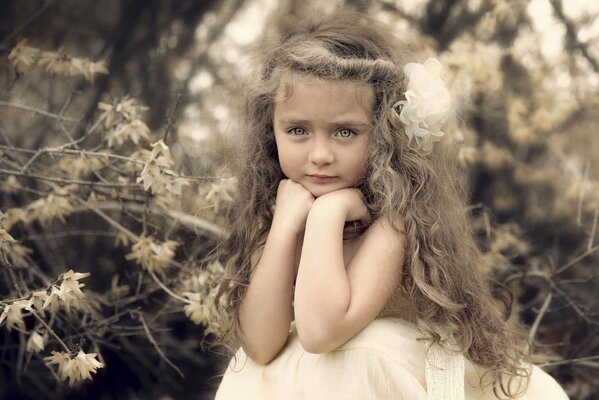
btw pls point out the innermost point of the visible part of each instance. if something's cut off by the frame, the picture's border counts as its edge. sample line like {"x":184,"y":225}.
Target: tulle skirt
{"x":384,"y":361}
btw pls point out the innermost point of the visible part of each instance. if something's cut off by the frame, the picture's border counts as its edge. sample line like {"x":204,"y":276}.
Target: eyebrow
{"x":353,"y":123}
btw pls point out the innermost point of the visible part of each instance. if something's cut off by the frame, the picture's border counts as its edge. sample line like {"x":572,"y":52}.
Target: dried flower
{"x":52,"y":300}
{"x":14,"y":215}
{"x":37,"y":300}
{"x":11,"y":185}
{"x":128,"y":131}
{"x":36,"y":342}
{"x":48,"y":208}
{"x":151,"y":175}
{"x":13,"y":316}
{"x":197,"y":311}
{"x":151,"y":255}
{"x":56,"y":63}
{"x":87,"y":68}
{"x":6,"y":243}
{"x":126,"y":110}
{"x":23,"y":57}
{"x":79,"y":167}
{"x":19,"y":255}
{"x":75,"y":369}
{"x":221,"y":191}
{"x":70,"y":289}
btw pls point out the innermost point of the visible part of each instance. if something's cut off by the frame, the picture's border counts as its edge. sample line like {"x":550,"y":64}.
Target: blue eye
{"x":345,"y":133}
{"x":297,"y":131}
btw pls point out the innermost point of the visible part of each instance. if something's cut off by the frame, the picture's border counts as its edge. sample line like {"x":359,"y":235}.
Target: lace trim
{"x":444,"y":371}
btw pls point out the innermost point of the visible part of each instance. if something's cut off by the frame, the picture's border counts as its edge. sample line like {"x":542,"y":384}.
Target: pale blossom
{"x":427,"y":104}
{"x":19,"y":254}
{"x":11,"y":185}
{"x":152,"y":256}
{"x":6,"y":242}
{"x":79,"y":167}
{"x":36,"y":301}
{"x":52,"y":300}
{"x":132,"y":131}
{"x":36,"y":342}
{"x":163,"y":254}
{"x":74,"y":369}
{"x":152,"y":176}
{"x":129,"y":109}
{"x":203,"y":278}
{"x":50,"y":207}
{"x":13,"y":316}
{"x":221,"y":191}
{"x":63,"y":361}
{"x":70,"y":289}
{"x":23,"y":57}
{"x":198,"y":313}
{"x":141,"y":251}
{"x":168,"y":189}
{"x":197,"y":310}
{"x":92,"y":68}
{"x":215,"y":268}
{"x":14,"y":215}
{"x":108,"y":115}
{"x":57,"y":63}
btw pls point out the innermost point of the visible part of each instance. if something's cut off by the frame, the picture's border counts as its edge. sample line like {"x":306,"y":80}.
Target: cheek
{"x":361,"y":162}
{"x":287,"y":160}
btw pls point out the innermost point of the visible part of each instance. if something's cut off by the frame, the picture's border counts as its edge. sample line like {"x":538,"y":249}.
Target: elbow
{"x":317,"y":340}
{"x":260,"y":357}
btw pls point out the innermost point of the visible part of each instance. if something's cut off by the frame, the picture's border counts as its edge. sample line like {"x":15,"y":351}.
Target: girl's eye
{"x":345,"y":133}
{"x":297,"y":131}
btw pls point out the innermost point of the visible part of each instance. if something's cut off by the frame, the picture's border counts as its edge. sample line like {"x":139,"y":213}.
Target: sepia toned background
{"x":117,"y":119}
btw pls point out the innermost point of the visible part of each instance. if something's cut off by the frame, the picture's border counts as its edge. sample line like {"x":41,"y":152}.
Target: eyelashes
{"x":343,"y":133}
{"x":297,"y":131}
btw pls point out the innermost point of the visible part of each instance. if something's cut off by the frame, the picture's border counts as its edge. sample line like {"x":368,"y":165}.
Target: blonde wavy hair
{"x":441,"y":274}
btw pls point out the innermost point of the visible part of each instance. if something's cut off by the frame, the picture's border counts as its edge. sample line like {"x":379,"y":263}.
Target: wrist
{"x":329,"y":208}
{"x":283,"y":228}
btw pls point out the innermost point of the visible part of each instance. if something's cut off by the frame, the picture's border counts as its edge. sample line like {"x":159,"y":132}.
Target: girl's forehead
{"x":363,"y":92}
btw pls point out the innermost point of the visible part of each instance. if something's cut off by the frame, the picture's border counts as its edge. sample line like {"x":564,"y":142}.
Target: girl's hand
{"x":348,"y":201}
{"x":292,"y":205}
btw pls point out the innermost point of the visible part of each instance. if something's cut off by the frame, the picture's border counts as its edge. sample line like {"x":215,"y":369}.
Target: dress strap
{"x":444,"y":370}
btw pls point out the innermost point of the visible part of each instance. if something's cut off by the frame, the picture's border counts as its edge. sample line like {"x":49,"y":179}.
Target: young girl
{"x":351,"y":270}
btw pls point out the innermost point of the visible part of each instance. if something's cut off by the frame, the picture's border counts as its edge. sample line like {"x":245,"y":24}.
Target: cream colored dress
{"x":384,"y":361}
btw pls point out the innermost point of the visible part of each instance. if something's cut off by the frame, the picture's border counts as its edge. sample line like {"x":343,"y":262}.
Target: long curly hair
{"x":441,"y":273}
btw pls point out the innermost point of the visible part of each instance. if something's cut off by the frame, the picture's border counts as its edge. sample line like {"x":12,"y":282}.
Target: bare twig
{"x":53,"y":150}
{"x":167,"y":290}
{"x":26,"y":23}
{"x":575,"y":260}
{"x":187,"y":220}
{"x":155,"y":344}
{"x":542,"y":311}
{"x":50,"y":330}
{"x":571,"y":361}
{"x":108,"y":219}
{"x":593,"y":230}
{"x":38,"y":111}
{"x":70,"y":181}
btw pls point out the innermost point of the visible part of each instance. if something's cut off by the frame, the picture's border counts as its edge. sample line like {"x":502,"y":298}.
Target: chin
{"x":317,"y":192}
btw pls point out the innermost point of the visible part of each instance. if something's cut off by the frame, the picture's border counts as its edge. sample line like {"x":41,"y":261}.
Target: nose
{"x":321,"y":152}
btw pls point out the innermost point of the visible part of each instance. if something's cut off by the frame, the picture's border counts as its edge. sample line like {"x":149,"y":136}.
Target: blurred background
{"x":89,"y":88}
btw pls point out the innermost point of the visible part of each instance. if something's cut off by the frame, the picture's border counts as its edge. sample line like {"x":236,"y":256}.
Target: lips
{"x":321,"y":178}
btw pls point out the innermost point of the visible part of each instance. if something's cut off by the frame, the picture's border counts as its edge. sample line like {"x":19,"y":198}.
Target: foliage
{"x":129,"y":189}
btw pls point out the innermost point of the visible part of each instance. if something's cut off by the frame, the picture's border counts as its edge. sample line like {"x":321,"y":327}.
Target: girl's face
{"x":322,"y":130}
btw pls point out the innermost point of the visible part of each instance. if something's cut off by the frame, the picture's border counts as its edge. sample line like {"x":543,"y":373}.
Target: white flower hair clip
{"x":426,"y":107}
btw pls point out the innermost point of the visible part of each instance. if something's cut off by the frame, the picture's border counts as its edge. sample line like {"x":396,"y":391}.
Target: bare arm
{"x":266,"y":311}
{"x":333,"y":302}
